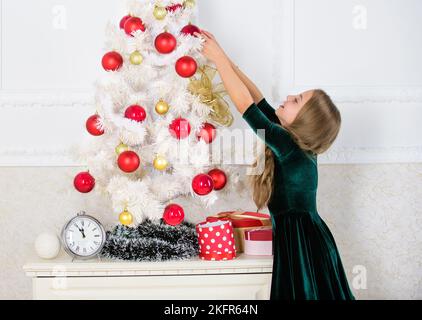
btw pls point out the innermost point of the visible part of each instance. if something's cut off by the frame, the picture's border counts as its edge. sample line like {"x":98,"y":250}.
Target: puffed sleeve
{"x":274,"y":135}
{"x":268,"y":111}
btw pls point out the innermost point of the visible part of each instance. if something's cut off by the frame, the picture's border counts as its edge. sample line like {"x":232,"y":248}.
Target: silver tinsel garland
{"x":152,"y":241}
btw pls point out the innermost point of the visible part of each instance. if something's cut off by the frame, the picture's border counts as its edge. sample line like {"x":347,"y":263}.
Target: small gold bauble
{"x":121,"y":148}
{"x":162,"y":107}
{"x":160,"y":163}
{"x":189,"y":4}
{"x":126,"y":218}
{"x":160,"y":12}
{"x":136,"y":58}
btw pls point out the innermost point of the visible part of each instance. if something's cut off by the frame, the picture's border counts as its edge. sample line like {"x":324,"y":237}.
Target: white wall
{"x":364,"y":53}
{"x":370,"y":181}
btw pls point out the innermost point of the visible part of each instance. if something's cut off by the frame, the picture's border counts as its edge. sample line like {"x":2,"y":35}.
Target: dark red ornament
{"x":202,"y":184}
{"x":84,"y":182}
{"x":93,"y":125}
{"x":128,"y":161}
{"x":207,"y":133}
{"x":186,"y":67}
{"x":165,"y":43}
{"x":123,"y":21}
{"x":136,"y":113}
{"x":190,"y":29}
{"x":134,"y":24}
{"x":112,"y":61}
{"x":180,"y":128}
{"x":174,"y":7}
{"x":173,"y":214}
{"x":219,"y":178}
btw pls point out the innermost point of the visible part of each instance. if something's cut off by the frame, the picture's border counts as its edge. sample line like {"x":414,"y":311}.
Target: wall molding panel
{"x":59,"y":99}
{"x":287,"y":79}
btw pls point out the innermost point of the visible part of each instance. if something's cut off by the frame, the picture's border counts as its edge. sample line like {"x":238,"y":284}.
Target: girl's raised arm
{"x":235,"y":87}
{"x":257,"y":96}
{"x":253,"y":89}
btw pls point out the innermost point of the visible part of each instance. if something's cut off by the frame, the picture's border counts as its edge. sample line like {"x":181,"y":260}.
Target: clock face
{"x":84,"y":236}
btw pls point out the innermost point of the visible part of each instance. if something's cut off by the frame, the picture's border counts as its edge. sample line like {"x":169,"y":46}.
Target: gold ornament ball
{"x":160,"y":13}
{"x":136,"y":58}
{"x":121,"y":148}
{"x":162,"y":107}
{"x":189,"y":3}
{"x":126,"y":218}
{"x":160,"y":163}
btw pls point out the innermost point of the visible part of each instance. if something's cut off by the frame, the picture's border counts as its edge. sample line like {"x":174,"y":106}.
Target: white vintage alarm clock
{"x":83,"y":237}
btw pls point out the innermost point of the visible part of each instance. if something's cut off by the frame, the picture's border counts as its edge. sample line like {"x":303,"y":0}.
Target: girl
{"x":307,"y":263}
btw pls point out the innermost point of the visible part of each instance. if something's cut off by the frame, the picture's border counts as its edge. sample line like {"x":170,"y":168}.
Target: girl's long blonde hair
{"x":314,"y":130}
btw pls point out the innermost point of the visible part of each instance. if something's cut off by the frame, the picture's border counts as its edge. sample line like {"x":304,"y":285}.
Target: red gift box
{"x":242,"y":219}
{"x":259,"y":234}
{"x":241,"y":222}
{"x":259,"y":241}
{"x":216,"y":240}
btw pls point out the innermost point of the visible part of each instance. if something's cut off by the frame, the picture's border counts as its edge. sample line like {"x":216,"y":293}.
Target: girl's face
{"x":289,"y":109}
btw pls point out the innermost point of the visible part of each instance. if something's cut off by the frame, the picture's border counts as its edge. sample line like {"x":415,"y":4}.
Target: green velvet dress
{"x":307,"y":264}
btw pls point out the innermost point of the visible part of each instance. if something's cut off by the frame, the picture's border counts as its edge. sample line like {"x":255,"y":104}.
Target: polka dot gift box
{"x":242,"y":221}
{"x":216,"y":240}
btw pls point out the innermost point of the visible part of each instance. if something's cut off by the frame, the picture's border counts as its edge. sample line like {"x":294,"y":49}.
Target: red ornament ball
{"x":207,"y":133}
{"x":202,"y":184}
{"x":84,"y":182}
{"x":128,"y":161}
{"x":174,"y":7}
{"x":93,"y":125}
{"x":112,"y":61}
{"x":190,"y":29}
{"x":173,"y":215}
{"x":186,"y":67}
{"x":180,"y":128}
{"x":134,"y":24}
{"x":219,"y":178}
{"x":136,"y":113}
{"x":165,"y":43}
{"x":123,"y":21}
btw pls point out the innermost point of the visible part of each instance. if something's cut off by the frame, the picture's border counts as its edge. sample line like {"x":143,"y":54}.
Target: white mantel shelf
{"x":245,"y":277}
{"x":106,"y":268}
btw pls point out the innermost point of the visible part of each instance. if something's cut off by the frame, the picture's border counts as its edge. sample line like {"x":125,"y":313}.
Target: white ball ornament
{"x":47,"y":245}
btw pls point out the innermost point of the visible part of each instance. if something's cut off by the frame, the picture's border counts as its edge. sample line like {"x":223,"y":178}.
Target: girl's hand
{"x":211,"y":49}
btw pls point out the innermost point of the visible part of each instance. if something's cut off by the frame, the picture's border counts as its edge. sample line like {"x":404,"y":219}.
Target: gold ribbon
{"x":212,"y":95}
{"x":239,"y":215}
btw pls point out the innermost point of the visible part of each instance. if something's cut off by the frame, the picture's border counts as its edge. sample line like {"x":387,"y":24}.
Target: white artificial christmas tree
{"x":148,"y":80}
